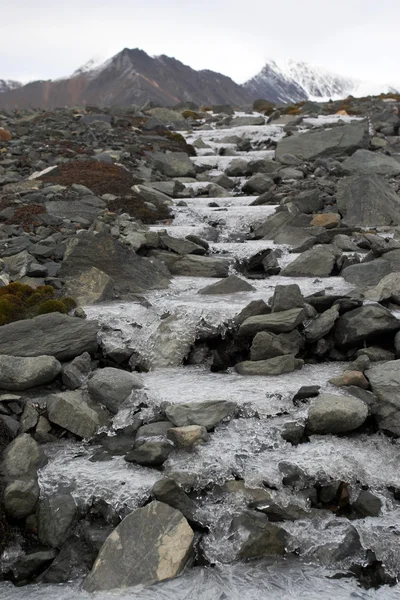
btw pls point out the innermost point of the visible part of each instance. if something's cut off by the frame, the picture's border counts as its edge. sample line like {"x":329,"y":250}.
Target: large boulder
{"x":336,"y":414}
{"x":20,"y":498}
{"x":150,"y":545}
{"x":174,"y":164}
{"x":111,"y":387}
{"x":269,"y":345}
{"x":54,"y":334}
{"x":277,"y":322}
{"x":22,"y":373}
{"x":72,"y":411}
{"x":368,"y":321}
{"x":338,"y":141}
{"x":385,"y":383}
{"x":207,"y":414}
{"x":130,"y":273}
{"x":56,"y":514}
{"x":364,"y":161}
{"x":271,"y":366}
{"x":369,"y":272}
{"x":22,"y":458}
{"x":367,"y":200}
{"x":180,"y":245}
{"x":317,"y":262}
{"x":388,"y":288}
{"x":322,"y":325}
{"x":90,"y":287}
{"x":196,"y":266}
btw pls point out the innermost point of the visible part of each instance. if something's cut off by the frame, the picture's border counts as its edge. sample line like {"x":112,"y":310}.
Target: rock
{"x":263,"y":538}
{"x":207,"y":414}
{"x":369,"y":272}
{"x":255,"y":307}
{"x":327,"y":220}
{"x":237,"y":167}
{"x":269,"y":345}
{"x":90,"y":287}
{"x":367,"y":505}
{"x":186,"y":437}
{"x":18,"y":373}
{"x":180,"y":246}
{"x":322,"y":325}
{"x":130,"y":272}
{"x":153,"y":453}
{"x":384,"y":380}
{"x":257,"y":184}
{"x":29,"y":418}
{"x":158,"y":429}
{"x":174,"y":164}
{"x":364,"y":323}
{"x":56,"y":515}
{"x":317,"y":262}
{"x":22,"y":458}
{"x":293,"y":432}
{"x":388,"y":288}
{"x":53,"y":334}
{"x":111,"y":387}
{"x":84,"y":211}
{"x":367,"y":200}
{"x":20,"y":498}
{"x":229,"y":285}
{"x":18,"y":265}
{"x":308,"y":201}
{"x":286,"y":297}
{"x":339,"y":141}
{"x":344,"y":544}
{"x":376,"y":354}
{"x":150,"y":545}
{"x":200,"y":266}
{"x":31,"y":565}
{"x":306,"y":391}
{"x":168,"y":491}
{"x":336,"y":414}
{"x":75,"y":374}
{"x":364,"y":161}
{"x":73,"y":562}
{"x":278,"y":322}
{"x":272,"y":366}
{"x":350,"y":378}
{"x":72,"y":411}
{"x":247,"y":121}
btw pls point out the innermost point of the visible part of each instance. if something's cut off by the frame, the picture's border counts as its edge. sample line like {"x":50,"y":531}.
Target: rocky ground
{"x":227,"y":389}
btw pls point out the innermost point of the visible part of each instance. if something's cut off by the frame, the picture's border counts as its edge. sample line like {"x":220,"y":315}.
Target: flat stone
{"x":17,"y":373}
{"x":317,"y":262}
{"x":90,"y":287}
{"x":364,"y":323}
{"x":71,"y":411}
{"x":364,"y":161}
{"x":111,"y":387}
{"x":186,"y":437}
{"x":270,"y":367}
{"x":229,"y":285}
{"x":351,"y":378}
{"x":278,"y":322}
{"x":384,"y":380}
{"x":207,"y":414}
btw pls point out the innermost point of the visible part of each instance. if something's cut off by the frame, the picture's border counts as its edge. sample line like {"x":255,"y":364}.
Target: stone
{"x":258,"y":184}
{"x":23,"y":373}
{"x":338,"y":141}
{"x":368,"y":321}
{"x":18,"y":265}
{"x":388,"y":288}
{"x":151,"y":544}
{"x":263,"y":538}
{"x":336,"y":414}
{"x":130,"y":272}
{"x":20,"y":498}
{"x":364,"y":161}
{"x":29,"y":418}
{"x":200,"y":266}
{"x":32,"y":564}
{"x":152,"y":453}
{"x":254,"y":308}
{"x":317,"y":262}
{"x":84,"y":211}
{"x":367,"y":505}
{"x":56,"y":515}
{"x":306,"y":391}
{"x":271,"y":366}
{"x":278,"y":322}
{"x":111,"y":387}
{"x":158,"y":429}
{"x":376,"y":354}
{"x":367,"y":200}
{"x":168,"y":491}
{"x":187,"y":437}
{"x":72,"y":411}
{"x":286,"y":297}
{"x":180,"y":246}
{"x":73,"y":562}
{"x":293,"y":432}
{"x":53,"y":334}
{"x":22,"y":458}
{"x":230,"y":285}
{"x":269,"y":345}
{"x":206,"y":414}
{"x":384,"y":380}
{"x":321,"y":325}
{"x":327,"y":220}
{"x":370,"y":272}
{"x":237,"y":167}
{"x":75,"y":373}
{"x":174,"y":164}
{"x":351,"y":378}
{"x":90,"y":287}
{"x":308,"y":201}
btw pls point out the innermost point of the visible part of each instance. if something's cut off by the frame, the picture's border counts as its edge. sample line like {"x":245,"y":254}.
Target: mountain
{"x":7,"y":84}
{"x":288,"y":81}
{"x":130,"y":77}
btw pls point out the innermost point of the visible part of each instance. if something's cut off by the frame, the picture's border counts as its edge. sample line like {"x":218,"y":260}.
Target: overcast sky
{"x":44,"y":39}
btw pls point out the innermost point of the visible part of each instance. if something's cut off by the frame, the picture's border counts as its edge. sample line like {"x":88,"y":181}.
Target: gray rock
{"x":369,"y":272}
{"x":168,"y":491}
{"x":286,"y":297}
{"x":338,"y":141}
{"x":376,"y":354}
{"x":157,"y":429}
{"x":73,"y":562}
{"x":180,"y":246}
{"x":364,"y":161}
{"x":367,"y":505}
{"x":271,"y":366}
{"x":384,"y":380}
{"x":150,"y":545}
{"x":254,"y":308}
{"x":207,"y":414}
{"x":317,"y":262}
{"x":174,"y":164}
{"x":388,"y":288}
{"x":336,"y":414}
{"x":72,"y":411}
{"x":54,"y":334}
{"x":238,"y":167}
{"x":29,"y":418}
{"x":367,"y":200}
{"x":229,"y":285}
{"x":364,"y":323}
{"x":18,"y":265}
{"x":393,"y":258}
{"x":258,"y":184}
{"x":268,"y":345}
{"x":247,"y":121}
{"x":200,"y":266}
{"x":308,"y":202}
{"x":278,"y":322}
{"x":263,"y":538}
{"x":153,"y":453}
{"x":85,"y":210}
{"x":21,"y":497}
{"x":90,"y":287}
{"x":22,"y":458}
{"x":322,"y":325}
{"x":344,"y":544}
{"x":75,"y":373}
{"x":30,"y":565}
{"x":187,"y":437}
{"x":17,"y":373}
{"x":56,"y":515}
{"x":111,"y":387}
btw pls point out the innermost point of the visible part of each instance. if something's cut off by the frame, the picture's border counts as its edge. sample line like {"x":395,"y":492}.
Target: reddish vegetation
{"x":100,"y":177}
{"x":27,"y":215}
{"x":137,"y":208}
{"x":5,"y":135}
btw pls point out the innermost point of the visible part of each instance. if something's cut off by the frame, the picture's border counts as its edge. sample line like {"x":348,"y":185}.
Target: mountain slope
{"x":7,"y":84}
{"x":130,"y":77}
{"x":287,"y":81}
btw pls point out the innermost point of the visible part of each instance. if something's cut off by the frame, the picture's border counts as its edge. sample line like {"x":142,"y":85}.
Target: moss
{"x":51,"y":306}
{"x":69,"y":303}
{"x":190,"y":114}
{"x":10,"y":309}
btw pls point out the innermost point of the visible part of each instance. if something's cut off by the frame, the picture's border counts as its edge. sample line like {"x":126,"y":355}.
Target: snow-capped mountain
{"x":288,"y":80}
{"x":7,"y":84}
